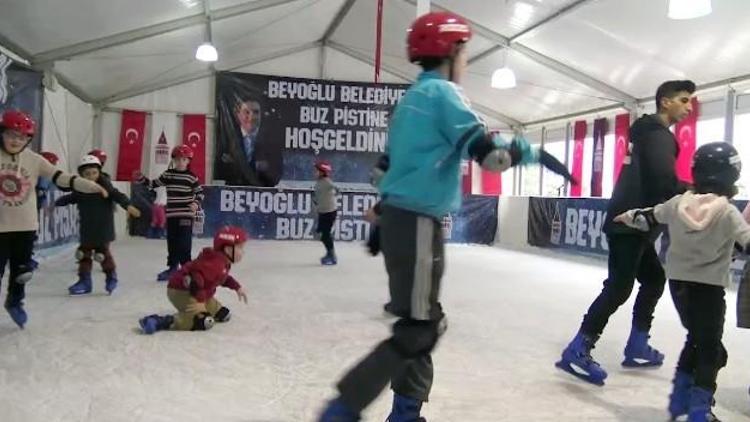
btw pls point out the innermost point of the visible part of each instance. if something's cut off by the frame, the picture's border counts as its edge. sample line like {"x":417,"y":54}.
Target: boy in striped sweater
{"x":184,"y":195}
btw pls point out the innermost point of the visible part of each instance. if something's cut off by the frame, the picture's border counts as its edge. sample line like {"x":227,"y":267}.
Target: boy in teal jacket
{"x":432,"y":129}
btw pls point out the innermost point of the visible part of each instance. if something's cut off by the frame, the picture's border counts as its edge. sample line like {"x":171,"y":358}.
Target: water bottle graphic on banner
{"x":447,"y":227}
{"x":199,"y":219}
{"x":556,"y":232}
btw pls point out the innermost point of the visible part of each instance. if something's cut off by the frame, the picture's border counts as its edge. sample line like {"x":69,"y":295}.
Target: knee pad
{"x":81,"y":255}
{"x":223,"y":314}
{"x":23,"y":274}
{"x":203,"y":322}
{"x":99,"y":257}
{"x":413,"y":338}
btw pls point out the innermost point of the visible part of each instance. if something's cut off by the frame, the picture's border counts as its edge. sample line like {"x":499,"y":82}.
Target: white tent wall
{"x":68,"y":127}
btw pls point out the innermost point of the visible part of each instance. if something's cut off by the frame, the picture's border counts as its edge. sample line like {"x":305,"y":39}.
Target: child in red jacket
{"x":191,"y":289}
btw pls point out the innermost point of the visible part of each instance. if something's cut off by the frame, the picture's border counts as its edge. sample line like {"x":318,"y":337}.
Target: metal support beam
{"x":322,"y":58}
{"x":144,"y":89}
{"x":541,"y":168}
{"x":556,"y":15}
{"x":336,"y":22}
{"x":568,"y":136}
{"x":731,"y":109}
{"x":540,"y":58}
{"x":152,"y":31}
{"x":390,"y":69}
{"x":64,"y":81}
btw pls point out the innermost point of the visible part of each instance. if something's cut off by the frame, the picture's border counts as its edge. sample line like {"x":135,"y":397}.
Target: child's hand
{"x":103,"y":192}
{"x":196,"y":308}
{"x":133,"y":211}
{"x":241,"y":296}
{"x":622,"y":218}
{"x":194,"y":207}
{"x":371,"y":216}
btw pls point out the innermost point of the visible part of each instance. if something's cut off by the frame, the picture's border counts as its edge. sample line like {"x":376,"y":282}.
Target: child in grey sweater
{"x":704,"y":227}
{"x":325,"y":205}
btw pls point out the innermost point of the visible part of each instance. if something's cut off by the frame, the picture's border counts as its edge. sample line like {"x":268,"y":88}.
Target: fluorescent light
{"x":688,"y":9}
{"x":207,"y":53}
{"x":503,"y":78}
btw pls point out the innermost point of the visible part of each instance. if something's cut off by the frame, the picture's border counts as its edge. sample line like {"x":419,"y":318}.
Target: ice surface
{"x":510,"y":314}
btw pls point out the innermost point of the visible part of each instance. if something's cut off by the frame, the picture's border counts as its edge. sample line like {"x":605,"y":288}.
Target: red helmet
{"x":229,"y":236}
{"x":182,"y":151}
{"x":100,"y":154}
{"x":18,"y":120}
{"x":324,"y":167}
{"x":51,"y":157}
{"x":435,"y":34}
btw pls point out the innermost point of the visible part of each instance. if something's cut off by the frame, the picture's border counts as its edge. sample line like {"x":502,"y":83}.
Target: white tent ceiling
{"x":570,"y":56}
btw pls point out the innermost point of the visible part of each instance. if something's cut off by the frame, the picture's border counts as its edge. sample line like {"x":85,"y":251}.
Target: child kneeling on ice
{"x":704,"y":227}
{"x":191,"y":289}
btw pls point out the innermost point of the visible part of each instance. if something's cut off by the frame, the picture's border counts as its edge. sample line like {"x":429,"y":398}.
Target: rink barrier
{"x":288,"y":214}
{"x":58,"y":226}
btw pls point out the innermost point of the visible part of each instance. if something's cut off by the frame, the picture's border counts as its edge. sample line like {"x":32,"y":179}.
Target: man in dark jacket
{"x":647,"y":178}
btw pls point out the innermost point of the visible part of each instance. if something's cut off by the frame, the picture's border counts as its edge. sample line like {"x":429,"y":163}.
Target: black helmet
{"x":716,"y":167}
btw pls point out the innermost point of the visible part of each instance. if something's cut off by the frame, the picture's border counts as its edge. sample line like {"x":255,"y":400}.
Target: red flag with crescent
{"x":194,"y":136}
{"x":579,"y":134}
{"x":622,"y":140}
{"x":130,"y":154}
{"x":686,"y":135}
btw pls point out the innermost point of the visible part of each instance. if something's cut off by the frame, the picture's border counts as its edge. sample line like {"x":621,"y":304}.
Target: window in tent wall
{"x":530,"y":174}
{"x":742,"y":143}
{"x":609,"y":160}
{"x":552,"y":184}
{"x":709,"y":130}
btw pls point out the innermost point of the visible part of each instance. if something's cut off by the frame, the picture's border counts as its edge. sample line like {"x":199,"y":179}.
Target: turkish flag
{"x":131,"y":144}
{"x":579,"y":134}
{"x":194,"y":136}
{"x":597,"y":164}
{"x":685,"y":132}
{"x":622,"y":139}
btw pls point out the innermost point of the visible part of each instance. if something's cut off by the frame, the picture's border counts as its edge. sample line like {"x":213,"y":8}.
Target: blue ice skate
{"x":577,"y":360}
{"x":405,"y":409}
{"x":679,"y":399}
{"x":33,"y":264}
{"x":329,"y":259}
{"x":336,"y":411}
{"x":82,"y":286}
{"x":110,"y":283}
{"x":164,"y":275}
{"x":639,"y":354}
{"x":701,"y":401}
{"x":153,"y":323}
{"x":17,"y":313}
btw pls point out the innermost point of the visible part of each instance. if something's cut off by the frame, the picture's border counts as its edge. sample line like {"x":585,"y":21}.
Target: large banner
{"x":622,"y":140}
{"x":568,"y":223}
{"x":579,"y":135}
{"x":130,"y":152}
{"x":22,"y":89}
{"x":686,"y":133}
{"x":57,"y":225}
{"x":270,"y":128}
{"x":287,"y":214}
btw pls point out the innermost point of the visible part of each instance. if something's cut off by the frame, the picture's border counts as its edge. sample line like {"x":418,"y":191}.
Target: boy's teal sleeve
{"x":458,"y":122}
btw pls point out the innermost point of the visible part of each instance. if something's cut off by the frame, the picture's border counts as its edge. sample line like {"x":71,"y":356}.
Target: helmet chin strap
{"x":230,"y":257}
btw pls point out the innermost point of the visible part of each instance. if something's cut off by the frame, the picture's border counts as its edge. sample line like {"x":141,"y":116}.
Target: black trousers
{"x":630,"y":257}
{"x":702,"y":309}
{"x":179,"y":240}
{"x":16,"y":249}
{"x":413,"y":249}
{"x":325,"y":225}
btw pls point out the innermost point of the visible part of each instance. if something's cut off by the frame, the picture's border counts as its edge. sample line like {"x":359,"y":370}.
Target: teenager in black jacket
{"x":647,"y":178}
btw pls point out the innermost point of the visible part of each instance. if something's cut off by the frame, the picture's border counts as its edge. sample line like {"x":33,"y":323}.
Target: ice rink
{"x":510,"y":314}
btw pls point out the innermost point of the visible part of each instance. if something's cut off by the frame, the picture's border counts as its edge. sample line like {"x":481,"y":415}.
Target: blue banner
{"x":57,"y":225}
{"x":287,"y":214}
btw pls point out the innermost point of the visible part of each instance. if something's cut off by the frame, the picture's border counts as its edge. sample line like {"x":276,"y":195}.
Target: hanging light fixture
{"x":688,"y":9}
{"x":503,"y":78}
{"x":206,"y":52}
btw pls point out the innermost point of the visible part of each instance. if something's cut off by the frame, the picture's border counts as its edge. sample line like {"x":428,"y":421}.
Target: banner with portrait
{"x":272,"y":128}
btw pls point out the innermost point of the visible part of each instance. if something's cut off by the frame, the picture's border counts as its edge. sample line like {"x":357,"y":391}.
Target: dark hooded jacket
{"x":648,"y":173}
